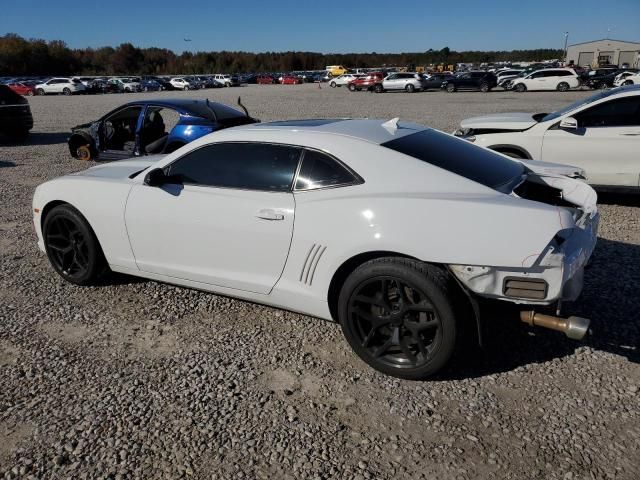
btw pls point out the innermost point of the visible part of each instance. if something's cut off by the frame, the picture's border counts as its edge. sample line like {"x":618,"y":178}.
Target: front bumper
{"x":560,"y":268}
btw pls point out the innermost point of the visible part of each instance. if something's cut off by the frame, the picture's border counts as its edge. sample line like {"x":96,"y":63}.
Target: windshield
{"x":460,"y":157}
{"x":578,"y":104}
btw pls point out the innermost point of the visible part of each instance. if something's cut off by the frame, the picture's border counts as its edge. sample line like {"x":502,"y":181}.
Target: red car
{"x":22,"y":89}
{"x":365,"y":83}
{"x":289,"y":80}
{"x":264,"y":80}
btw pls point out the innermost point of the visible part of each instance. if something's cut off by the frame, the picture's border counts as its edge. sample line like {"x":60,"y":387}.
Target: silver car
{"x":409,"y":82}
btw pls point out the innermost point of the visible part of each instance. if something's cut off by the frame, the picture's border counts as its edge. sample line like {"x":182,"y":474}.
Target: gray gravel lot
{"x":136,"y":379}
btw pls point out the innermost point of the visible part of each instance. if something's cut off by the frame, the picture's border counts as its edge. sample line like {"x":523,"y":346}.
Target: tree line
{"x":20,"y":56}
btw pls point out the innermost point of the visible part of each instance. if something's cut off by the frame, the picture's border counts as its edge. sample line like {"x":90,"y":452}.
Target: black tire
{"x":66,"y":91}
{"x":410,"y":88}
{"x":562,"y":87}
{"x":332,"y":84}
{"x":521,"y":87}
{"x":378,"y":88}
{"x":602,"y":86}
{"x":352,"y":88}
{"x":72,"y":247}
{"x":628,"y":82}
{"x":30,"y":93}
{"x":451,"y":87}
{"x":186,"y":87}
{"x":40,"y":91}
{"x":398,"y":316}
{"x":484,"y":87}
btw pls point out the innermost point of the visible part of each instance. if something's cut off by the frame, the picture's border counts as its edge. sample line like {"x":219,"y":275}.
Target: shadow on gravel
{"x":36,"y":138}
{"x":627,"y":200}
{"x":4,"y":164}
{"x":610,"y":299}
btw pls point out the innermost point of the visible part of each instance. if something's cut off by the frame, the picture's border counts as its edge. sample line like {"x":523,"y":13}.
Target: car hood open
{"x":121,"y":169}
{"x":500,"y":121}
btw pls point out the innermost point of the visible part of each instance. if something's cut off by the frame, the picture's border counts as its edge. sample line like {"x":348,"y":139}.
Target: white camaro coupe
{"x":600,"y":135}
{"x":392,"y":229}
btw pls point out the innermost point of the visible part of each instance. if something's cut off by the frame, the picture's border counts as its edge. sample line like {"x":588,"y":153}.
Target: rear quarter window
{"x":459,"y":157}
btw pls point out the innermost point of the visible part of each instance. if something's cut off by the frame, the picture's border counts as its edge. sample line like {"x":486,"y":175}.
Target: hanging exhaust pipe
{"x":573,"y":327}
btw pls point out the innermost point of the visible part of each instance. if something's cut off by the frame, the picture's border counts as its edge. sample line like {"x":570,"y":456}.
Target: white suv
{"x":182,"y":84}
{"x":224,"y":80}
{"x":561,"y":79}
{"x":626,"y":78}
{"x":66,"y":86}
{"x":407,"y":81}
{"x":341,"y":80}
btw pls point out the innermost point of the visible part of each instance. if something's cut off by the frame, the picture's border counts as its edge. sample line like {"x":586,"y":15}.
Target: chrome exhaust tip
{"x":573,"y":327}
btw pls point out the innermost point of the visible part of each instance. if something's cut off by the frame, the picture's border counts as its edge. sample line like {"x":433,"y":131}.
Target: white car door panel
{"x":232,"y":238}
{"x":223,"y":217}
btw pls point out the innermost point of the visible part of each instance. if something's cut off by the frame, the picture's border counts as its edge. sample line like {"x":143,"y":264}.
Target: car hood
{"x":121,"y":169}
{"x":501,"y":121}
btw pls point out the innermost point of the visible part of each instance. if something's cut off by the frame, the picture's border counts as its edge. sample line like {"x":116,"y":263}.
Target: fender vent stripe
{"x":310,"y":263}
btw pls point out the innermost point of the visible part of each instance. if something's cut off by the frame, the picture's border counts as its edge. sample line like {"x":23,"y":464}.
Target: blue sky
{"x":322,"y":26}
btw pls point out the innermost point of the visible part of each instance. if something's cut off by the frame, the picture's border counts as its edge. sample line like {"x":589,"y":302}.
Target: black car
{"x":148,"y":127}
{"x":483,"y":81}
{"x":435,"y":80}
{"x":15,"y":114}
{"x":603,"y":80}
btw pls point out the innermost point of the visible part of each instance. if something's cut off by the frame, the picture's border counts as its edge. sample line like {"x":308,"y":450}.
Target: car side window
{"x":622,"y":112}
{"x":319,"y":170}
{"x":247,"y":166}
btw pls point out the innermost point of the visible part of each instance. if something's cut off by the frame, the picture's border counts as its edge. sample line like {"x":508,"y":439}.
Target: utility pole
{"x":566,"y":37}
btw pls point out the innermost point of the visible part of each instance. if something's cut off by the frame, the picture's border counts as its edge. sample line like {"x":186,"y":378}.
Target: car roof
{"x":371,"y":130}
{"x":194,"y":107}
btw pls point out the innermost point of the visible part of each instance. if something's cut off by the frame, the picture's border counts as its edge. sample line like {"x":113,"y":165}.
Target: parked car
{"x":290,"y":80}
{"x":151,"y":126}
{"x":125,"y":85}
{"x":15,"y":114}
{"x":149,"y":85}
{"x":434,"y":81}
{"x":560,"y":79}
{"x":22,"y":88}
{"x":164,"y":83}
{"x":598,"y":134}
{"x":503,"y":77}
{"x":180,"y":83}
{"x":598,"y":82}
{"x":264,"y":80}
{"x":341,"y":80}
{"x":223,"y":79}
{"x":65,"y":86}
{"x":482,"y":81}
{"x":429,"y":231}
{"x":403,"y":81}
{"x":335,"y":70}
{"x":102,"y":85}
{"x":627,"y":78}
{"x":365,"y":82}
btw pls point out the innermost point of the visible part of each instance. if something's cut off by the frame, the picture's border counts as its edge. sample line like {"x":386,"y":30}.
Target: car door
{"x":120,"y":133}
{"x":391,"y":82}
{"x":226,"y":219}
{"x":604,"y":144}
{"x":536,"y":81}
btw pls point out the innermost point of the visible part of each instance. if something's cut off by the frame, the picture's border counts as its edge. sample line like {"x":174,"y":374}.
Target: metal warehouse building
{"x":603,"y":52}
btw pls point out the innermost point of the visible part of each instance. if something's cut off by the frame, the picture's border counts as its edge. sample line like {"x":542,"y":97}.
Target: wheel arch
{"x":506,"y":147}
{"x":78,"y":139}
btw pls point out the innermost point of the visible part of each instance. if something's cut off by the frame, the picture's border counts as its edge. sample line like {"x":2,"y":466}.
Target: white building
{"x":604,"y":52}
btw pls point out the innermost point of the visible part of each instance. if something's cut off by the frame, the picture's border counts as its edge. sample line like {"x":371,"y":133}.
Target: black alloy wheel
{"x":397,"y":316}
{"x":71,"y":245}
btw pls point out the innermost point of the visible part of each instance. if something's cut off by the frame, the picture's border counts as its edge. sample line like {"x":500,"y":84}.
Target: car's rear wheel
{"x":410,"y":88}
{"x":451,"y":88}
{"x":30,"y":93}
{"x":563,"y":87}
{"x":186,"y":87}
{"x":521,"y":87}
{"x":66,"y":91}
{"x":352,"y":87}
{"x":398,"y":316}
{"x":72,"y":247}
{"x":378,"y":88}
{"x":333,"y":85}
{"x":484,"y":87}
{"x":40,"y":91}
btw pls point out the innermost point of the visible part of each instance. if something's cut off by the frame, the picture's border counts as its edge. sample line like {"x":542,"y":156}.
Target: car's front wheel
{"x":484,"y":87}
{"x":333,"y":85}
{"x":378,"y":88}
{"x":352,"y":87}
{"x":451,"y":87}
{"x":40,"y":91}
{"x":410,"y":88}
{"x":66,"y":91}
{"x":398,"y":316}
{"x":72,"y":247}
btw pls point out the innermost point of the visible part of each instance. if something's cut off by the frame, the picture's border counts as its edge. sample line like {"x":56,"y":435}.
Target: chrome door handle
{"x":269,"y":214}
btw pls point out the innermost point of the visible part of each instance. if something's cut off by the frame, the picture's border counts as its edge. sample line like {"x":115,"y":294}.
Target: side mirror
{"x":569,"y":123}
{"x":155,"y":178}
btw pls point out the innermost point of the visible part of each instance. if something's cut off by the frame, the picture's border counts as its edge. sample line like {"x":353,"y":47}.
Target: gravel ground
{"x":136,"y":379}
